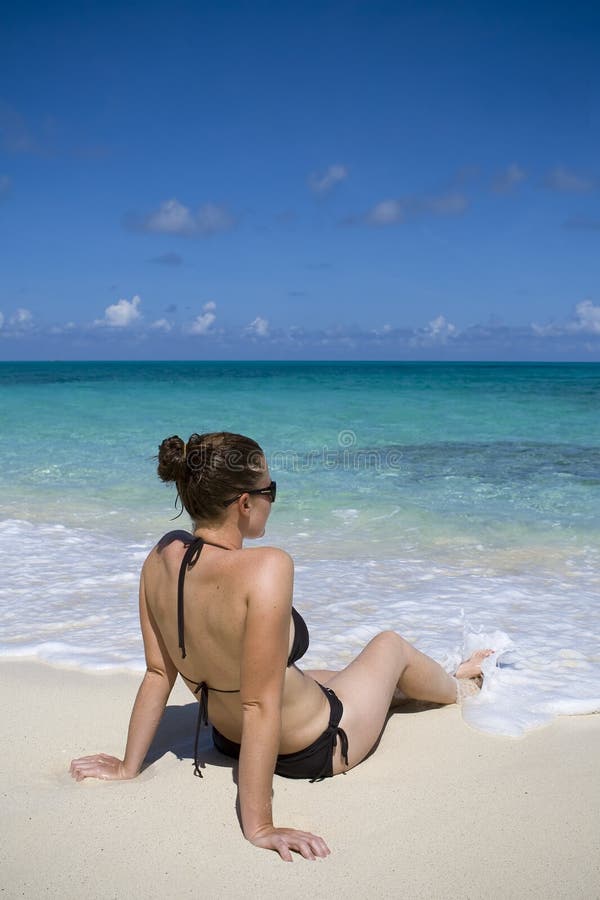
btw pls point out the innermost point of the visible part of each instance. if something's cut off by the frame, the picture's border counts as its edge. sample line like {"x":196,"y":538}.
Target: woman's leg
{"x":366,"y":688}
{"x":324,"y":676}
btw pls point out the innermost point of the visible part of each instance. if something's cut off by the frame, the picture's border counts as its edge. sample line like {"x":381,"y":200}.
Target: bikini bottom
{"x":315,"y":761}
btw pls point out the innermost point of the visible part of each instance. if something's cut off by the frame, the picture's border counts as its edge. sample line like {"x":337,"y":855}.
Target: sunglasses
{"x":269,"y":491}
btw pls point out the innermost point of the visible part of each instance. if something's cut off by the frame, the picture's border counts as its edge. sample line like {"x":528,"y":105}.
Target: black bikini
{"x":315,"y":761}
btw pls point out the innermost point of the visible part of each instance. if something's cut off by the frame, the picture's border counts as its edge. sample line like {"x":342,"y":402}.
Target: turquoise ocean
{"x":458,"y":504}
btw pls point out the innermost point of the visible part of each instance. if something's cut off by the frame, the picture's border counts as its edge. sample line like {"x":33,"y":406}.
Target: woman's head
{"x":210,"y":469}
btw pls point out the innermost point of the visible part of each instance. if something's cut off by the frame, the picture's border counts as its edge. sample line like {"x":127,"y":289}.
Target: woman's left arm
{"x":147,"y":710}
{"x":263,"y":668}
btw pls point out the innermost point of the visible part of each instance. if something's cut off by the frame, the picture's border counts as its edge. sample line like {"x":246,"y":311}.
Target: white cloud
{"x":258,"y":327}
{"x":384,"y":333}
{"x":437,"y":331}
{"x":63,"y":329}
{"x":577,"y":335}
{"x":509,"y":178}
{"x":161,"y":325}
{"x":19,"y":323}
{"x":545,"y":330}
{"x":588,"y":317}
{"x":386,"y":213}
{"x":172,"y":217}
{"x":440,"y":329}
{"x":202,"y":323}
{"x":390,"y":212}
{"x":121,"y":314}
{"x":586,"y":321}
{"x":324,"y":182}
{"x":563,"y":179}
{"x":21,"y":318}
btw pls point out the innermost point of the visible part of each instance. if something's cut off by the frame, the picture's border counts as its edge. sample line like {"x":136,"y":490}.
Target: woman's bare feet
{"x":471,"y":667}
{"x":469,"y":675}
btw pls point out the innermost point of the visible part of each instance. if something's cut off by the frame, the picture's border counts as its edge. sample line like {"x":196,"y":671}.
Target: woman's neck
{"x":227,"y":536}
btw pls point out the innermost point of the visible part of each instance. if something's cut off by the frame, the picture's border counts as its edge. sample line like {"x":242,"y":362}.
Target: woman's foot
{"x":469,"y":675}
{"x":471,"y":667}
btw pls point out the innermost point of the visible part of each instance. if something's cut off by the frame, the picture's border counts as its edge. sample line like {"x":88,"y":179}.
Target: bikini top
{"x":190,"y":558}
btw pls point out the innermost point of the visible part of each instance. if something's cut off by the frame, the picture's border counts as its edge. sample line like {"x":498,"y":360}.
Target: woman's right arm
{"x":264,"y":660}
{"x":147,"y":710}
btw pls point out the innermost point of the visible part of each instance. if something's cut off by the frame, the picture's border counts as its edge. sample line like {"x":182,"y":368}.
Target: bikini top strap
{"x":190,"y":557}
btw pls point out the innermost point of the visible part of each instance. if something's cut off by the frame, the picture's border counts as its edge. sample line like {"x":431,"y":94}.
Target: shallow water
{"x":438,"y":500}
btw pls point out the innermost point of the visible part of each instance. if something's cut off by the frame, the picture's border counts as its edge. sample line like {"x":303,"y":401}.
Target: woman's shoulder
{"x":268,"y":580}
{"x":166,"y":551}
{"x":178,"y":534}
{"x":263,"y":567}
{"x":274,"y":556}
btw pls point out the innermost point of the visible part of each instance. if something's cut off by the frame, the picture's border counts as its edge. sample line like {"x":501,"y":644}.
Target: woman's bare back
{"x":217,"y":590}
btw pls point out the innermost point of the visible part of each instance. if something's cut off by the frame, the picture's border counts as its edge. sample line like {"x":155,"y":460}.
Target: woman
{"x":222,"y":617}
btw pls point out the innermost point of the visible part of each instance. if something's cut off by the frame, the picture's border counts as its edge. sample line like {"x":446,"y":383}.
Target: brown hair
{"x":210,"y":469}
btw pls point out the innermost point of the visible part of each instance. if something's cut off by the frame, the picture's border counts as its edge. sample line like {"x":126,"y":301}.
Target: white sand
{"x":440,"y":811}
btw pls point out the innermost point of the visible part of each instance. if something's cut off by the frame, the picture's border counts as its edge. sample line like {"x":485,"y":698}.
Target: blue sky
{"x":300,"y":180}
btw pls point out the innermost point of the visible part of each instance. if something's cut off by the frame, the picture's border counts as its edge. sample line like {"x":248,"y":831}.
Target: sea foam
{"x":69,"y":597}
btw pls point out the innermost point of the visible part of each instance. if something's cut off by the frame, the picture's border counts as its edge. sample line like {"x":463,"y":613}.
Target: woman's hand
{"x":100,"y":765}
{"x":284,"y":840}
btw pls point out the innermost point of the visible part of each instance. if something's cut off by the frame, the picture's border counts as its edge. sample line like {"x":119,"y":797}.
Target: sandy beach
{"x":440,"y":811}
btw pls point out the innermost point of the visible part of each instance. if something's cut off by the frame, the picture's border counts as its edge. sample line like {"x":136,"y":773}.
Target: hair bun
{"x":209,"y":470}
{"x":171,"y":459}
